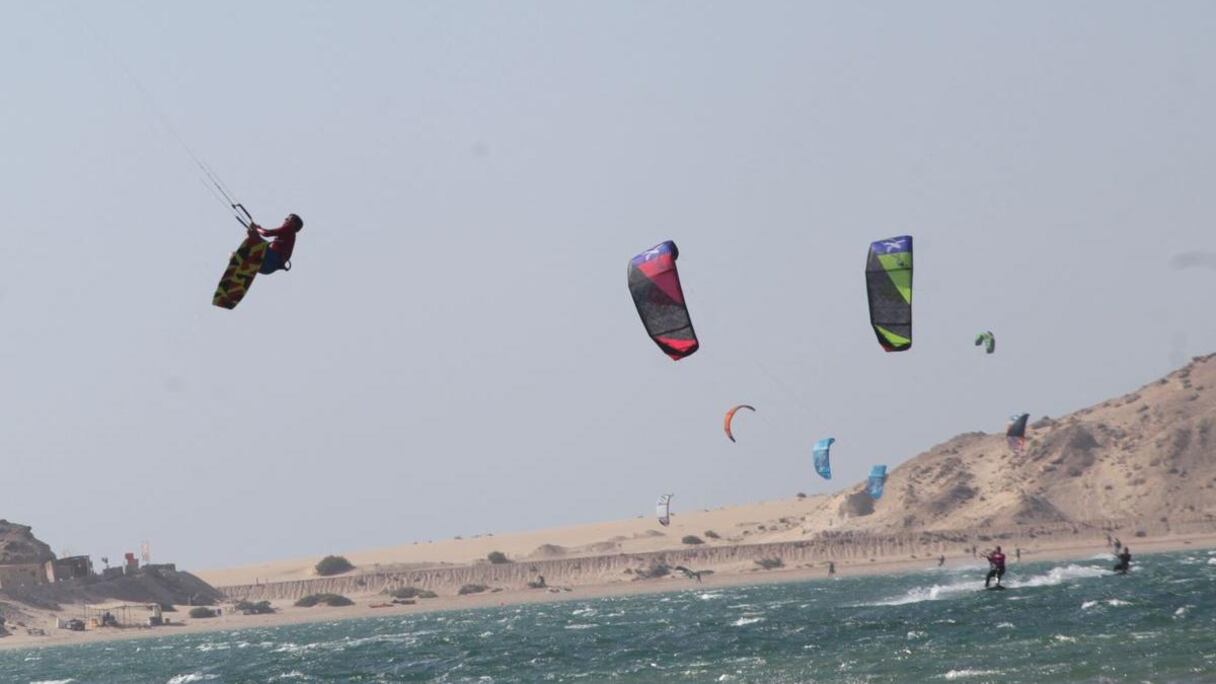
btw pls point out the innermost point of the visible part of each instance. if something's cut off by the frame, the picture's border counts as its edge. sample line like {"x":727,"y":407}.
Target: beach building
{"x":69,"y":567}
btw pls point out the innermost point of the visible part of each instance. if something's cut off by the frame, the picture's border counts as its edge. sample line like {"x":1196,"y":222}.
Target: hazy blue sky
{"x":456,"y":351}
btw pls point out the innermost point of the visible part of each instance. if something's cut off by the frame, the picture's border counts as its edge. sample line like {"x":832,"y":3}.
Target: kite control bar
{"x":247,"y":220}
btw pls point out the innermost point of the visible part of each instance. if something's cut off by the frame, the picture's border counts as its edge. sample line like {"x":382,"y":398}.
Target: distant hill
{"x":1148,"y":455}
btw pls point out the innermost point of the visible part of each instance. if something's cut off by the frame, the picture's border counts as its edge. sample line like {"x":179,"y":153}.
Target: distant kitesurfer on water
{"x":996,"y":562}
{"x":941,"y":560}
{"x":278,"y":255}
{"x":831,"y":568}
{"x":1125,"y":561}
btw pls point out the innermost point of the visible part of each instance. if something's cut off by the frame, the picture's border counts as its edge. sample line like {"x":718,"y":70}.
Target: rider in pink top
{"x":996,"y":560}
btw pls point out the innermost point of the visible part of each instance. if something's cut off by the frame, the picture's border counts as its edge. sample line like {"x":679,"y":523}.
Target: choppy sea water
{"x":1057,"y":622}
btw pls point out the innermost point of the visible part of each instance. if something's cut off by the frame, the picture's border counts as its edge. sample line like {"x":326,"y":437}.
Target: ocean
{"x":1057,"y":622}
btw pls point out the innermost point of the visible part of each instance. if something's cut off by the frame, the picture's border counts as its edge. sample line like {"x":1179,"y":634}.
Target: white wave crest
{"x":931,"y":593}
{"x":747,"y":621}
{"x":1110,"y":602}
{"x":936,"y":592}
{"x":191,"y":677}
{"x":296,"y":648}
{"x":1059,"y":575}
{"x":963,"y":674}
{"x":53,"y":681}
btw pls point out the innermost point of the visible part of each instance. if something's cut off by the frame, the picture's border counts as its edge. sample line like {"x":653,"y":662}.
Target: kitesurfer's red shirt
{"x":997,"y":559}
{"x":284,"y":240}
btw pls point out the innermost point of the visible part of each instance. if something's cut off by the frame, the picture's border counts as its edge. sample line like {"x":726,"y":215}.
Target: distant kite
{"x":821,"y":452}
{"x":730,"y":417}
{"x":889,"y":288}
{"x":987,"y":339}
{"x":1015,"y":434}
{"x":663,"y":509}
{"x":654,"y":283}
{"x":878,"y":478}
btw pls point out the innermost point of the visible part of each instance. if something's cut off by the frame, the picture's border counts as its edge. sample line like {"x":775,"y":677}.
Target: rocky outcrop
{"x":18,"y":546}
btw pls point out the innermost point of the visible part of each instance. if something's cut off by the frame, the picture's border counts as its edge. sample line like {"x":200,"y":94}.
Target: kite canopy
{"x":889,"y":287}
{"x":663,"y":509}
{"x":1015,"y":434}
{"x":654,"y":283}
{"x":822,"y":451}
{"x":987,"y":339}
{"x":730,"y":416}
{"x":878,"y":478}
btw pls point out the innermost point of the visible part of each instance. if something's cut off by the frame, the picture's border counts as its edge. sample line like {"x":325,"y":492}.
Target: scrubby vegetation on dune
{"x":411,"y":593}
{"x":333,"y":565}
{"x":251,"y":608}
{"x":333,"y":600}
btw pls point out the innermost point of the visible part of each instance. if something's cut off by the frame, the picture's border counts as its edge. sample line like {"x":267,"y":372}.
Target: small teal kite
{"x":878,"y":478}
{"x":822,"y":450}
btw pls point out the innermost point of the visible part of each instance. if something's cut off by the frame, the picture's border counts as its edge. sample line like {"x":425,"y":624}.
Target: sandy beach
{"x":372,"y":604}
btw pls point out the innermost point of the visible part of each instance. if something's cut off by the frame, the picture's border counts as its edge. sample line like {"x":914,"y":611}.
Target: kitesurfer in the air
{"x":1125,"y":561}
{"x":278,"y":255}
{"x":996,"y":562}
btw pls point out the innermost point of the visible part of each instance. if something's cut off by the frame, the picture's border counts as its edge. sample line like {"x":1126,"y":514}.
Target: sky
{"x":455,"y":351}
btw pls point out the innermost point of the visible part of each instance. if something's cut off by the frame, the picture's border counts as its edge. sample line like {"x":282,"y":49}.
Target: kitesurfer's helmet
{"x":294,"y":221}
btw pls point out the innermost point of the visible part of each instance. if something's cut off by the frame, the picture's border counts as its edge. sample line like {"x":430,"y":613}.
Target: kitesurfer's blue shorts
{"x":273,"y":261}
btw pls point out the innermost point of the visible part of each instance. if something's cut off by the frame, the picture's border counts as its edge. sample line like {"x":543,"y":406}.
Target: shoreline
{"x":287,"y":614}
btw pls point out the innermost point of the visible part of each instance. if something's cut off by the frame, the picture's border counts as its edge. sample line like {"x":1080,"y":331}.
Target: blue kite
{"x":878,"y":478}
{"x":822,"y":450}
